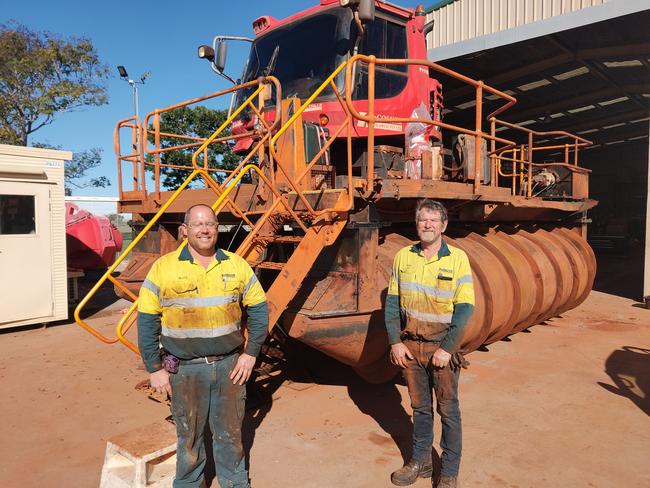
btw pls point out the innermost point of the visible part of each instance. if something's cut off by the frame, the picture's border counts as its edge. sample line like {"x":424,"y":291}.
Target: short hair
{"x":186,"y":219}
{"x":433,"y":206}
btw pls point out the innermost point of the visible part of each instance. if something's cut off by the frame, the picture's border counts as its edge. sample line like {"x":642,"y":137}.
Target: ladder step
{"x":269,"y":265}
{"x":287,"y":239}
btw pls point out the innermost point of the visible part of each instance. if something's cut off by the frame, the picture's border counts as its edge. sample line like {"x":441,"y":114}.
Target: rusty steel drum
{"x":522,"y":276}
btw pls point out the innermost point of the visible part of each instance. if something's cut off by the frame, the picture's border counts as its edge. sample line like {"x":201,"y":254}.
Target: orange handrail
{"x":120,"y":330}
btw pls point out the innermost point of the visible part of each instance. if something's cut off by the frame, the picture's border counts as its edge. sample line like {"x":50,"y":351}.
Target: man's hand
{"x":160,"y":382}
{"x":243,"y":369}
{"x":441,"y":358}
{"x":399,"y":353}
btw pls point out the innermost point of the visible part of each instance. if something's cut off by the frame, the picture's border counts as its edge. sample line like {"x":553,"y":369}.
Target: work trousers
{"x":203,"y":393}
{"x":425,"y":380}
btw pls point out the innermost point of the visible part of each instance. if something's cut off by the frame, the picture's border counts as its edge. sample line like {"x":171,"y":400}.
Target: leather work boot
{"x":407,"y":474}
{"x":447,"y":482}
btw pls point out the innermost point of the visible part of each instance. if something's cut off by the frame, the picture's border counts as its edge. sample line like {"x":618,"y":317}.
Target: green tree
{"x":75,"y":170}
{"x":43,"y":75}
{"x":197,"y":122}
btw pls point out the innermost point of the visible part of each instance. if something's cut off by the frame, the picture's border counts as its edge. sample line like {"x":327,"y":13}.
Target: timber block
{"x":143,"y":457}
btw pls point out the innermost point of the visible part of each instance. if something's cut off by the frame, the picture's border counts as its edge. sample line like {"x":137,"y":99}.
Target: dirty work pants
{"x":423,"y":379}
{"x":203,"y":393}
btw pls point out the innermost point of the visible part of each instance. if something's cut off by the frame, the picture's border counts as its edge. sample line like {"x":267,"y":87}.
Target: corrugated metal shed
{"x":581,"y":66}
{"x":465,"y":19}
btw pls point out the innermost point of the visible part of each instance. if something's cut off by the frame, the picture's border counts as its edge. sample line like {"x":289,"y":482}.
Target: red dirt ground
{"x":566,"y":405}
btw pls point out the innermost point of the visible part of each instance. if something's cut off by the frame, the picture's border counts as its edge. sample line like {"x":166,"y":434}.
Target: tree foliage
{"x":196,"y":122}
{"x":75,"y":170}
{"x":42,"y":75}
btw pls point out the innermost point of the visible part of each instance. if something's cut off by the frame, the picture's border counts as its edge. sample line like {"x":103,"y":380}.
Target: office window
{"x":17,"y":214}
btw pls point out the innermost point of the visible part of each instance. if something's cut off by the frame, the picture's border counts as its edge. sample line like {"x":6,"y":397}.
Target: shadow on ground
{"x":628,"y":368}
{"x":382,"y":402}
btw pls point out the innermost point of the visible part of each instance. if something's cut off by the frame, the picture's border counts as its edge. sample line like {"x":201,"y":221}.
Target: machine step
{"x":286,"y":239}
{"x":269,"y":265}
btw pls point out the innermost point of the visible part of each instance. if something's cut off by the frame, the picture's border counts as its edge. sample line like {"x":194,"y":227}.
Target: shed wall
{"x":466,"y":19}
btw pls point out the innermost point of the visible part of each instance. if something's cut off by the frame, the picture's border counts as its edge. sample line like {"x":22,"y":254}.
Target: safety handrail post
{"x":515,"y":154}
{"x":156,"y":126}
{"x":118,"y":154}
{"x":142,"y":140}
{"x":478,"y":138}
{"x":493,"y":172}
{"x":521,"y":168}
{"x":134,"y":145}
{"x":529,"y":154}
{"x":370,"y":170}
{"x":566,"y":153}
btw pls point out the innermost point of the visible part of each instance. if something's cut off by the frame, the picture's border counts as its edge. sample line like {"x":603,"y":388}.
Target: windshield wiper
{"x":268,"y":71}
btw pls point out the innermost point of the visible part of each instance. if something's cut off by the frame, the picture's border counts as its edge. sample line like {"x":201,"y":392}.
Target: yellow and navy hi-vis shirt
{"x":194,"y":311}
{"x":430,"y":299}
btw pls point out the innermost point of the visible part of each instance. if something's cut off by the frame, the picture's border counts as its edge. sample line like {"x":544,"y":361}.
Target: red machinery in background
{"x":92,"y":240}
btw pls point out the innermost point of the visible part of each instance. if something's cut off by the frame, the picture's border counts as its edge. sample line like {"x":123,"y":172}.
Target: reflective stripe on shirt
{"x":151,"y":286}
{"x":426,"y":289}
{"x":203,"y":333}
{"x":198,"y":302}
{"x":444,"y":318}
{"x":465,"y":279}
{"x":250,"y":283}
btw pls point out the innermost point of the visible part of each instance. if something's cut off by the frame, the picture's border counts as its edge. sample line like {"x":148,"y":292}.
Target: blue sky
{"x":161,"y":37}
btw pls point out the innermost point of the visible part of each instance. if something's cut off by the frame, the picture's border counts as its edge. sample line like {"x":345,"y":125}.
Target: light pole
{"x":134,"y":85}
{"x":138,"y":138}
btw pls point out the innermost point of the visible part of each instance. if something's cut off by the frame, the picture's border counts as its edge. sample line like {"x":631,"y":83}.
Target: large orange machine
{"x":338,"y":121}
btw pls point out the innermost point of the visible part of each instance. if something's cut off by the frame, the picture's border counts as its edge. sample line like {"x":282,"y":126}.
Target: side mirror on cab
{"x":220,"y":59}
{"x":365,"y":8}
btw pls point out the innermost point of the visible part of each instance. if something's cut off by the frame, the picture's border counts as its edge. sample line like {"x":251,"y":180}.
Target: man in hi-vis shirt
{"x":190,"y":339}
{"x":430,"y":300}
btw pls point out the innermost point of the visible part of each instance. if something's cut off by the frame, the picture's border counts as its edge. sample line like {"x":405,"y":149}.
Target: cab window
{"x":384,"y":39}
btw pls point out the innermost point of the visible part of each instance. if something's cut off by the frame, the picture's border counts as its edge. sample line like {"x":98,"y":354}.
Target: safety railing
{"x":495,"y":154}
{"x":132,"y":157}
{"x":371,"y":118}
{"x":148,"y":143}
{"x":522,"y":158}
{"x":151,"y":132}
{"x":127,"y":319}
{"x":222,"y":191}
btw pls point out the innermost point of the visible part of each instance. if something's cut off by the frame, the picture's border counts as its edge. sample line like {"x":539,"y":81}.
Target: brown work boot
{"x":407,"y":474}
{"x":447,"y":482}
